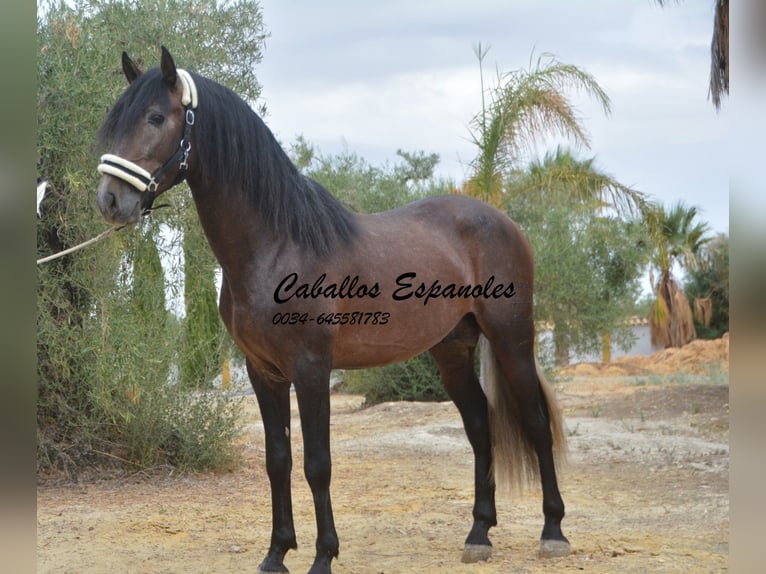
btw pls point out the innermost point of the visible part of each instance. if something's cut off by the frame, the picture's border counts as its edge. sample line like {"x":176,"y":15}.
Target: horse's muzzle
{"x":119,"y":203}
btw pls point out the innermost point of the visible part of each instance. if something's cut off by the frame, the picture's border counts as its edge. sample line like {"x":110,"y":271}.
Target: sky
{"x":374,"y":77}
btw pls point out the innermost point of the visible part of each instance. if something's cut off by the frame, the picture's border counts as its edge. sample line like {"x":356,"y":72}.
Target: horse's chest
{"x":247,"y":319}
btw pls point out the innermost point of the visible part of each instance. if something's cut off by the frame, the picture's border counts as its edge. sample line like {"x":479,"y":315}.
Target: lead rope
{"x":99,"y":237}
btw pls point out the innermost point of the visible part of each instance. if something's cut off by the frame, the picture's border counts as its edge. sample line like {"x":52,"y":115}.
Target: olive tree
{"x":108,"y":345}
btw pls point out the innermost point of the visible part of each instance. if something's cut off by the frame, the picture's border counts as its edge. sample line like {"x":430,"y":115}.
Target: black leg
{"x":274,"y":402}
{"x":312,"y":387}
{"x":455,"y":362}
{"x":520,"y":373}
{"x":552,"y":541}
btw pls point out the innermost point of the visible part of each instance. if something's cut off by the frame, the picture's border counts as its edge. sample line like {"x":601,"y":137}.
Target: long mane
{"x":238,"y":152}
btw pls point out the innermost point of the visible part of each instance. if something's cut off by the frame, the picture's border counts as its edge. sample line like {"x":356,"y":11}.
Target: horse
{"x":310,"y":286}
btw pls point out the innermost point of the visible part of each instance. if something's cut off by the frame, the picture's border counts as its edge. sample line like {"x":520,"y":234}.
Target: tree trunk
{"x":606,"y":347}
{"x":226,"y":371}
{"x":671,"y":321}
{"x":561,"y":349}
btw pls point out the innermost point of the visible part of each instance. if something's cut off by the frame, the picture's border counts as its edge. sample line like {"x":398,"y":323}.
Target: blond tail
{"x":514,"y":457}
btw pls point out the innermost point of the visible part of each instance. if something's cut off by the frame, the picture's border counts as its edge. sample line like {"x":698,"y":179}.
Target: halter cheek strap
{"x":137,"y":176}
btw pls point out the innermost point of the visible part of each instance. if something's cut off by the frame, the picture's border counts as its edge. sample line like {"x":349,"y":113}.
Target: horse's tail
{"x":514,"y":457}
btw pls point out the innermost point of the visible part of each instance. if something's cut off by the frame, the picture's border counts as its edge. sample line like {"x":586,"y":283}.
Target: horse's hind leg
{"x":454,"y":357}
{"x":519,"y":387}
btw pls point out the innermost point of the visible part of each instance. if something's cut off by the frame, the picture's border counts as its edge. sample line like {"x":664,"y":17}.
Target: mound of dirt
{"x":699,"y":357}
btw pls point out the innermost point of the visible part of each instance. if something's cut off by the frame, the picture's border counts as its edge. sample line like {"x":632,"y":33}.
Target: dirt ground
{"x":646,"y":488}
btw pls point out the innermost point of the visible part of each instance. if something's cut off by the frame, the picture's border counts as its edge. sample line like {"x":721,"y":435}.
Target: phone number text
{"x":353,"y":318}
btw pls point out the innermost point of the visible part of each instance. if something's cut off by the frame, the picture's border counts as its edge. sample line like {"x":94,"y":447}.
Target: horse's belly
{"x":380,"y":337}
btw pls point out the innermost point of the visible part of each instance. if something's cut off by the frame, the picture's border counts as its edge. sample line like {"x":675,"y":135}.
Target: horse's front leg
{"x":312,"y":386}
{"x":274,"y":403}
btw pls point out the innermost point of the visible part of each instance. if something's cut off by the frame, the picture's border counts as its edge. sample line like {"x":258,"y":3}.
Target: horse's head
{"x":148,"y":133}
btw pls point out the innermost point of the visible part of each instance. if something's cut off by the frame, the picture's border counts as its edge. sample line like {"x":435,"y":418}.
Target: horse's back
{"x":475,"y":228}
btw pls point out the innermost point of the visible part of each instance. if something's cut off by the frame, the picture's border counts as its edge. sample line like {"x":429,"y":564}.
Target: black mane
{"x":239,"y":152}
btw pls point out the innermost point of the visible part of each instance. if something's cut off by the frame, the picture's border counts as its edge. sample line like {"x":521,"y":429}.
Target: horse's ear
{"x":168,"y":67}
{"x":129,"y":68}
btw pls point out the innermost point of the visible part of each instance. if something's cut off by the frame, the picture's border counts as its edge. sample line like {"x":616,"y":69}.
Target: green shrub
{"x":122,"y":403}
{"x":192,"y":431}
{"x":413,"y":380}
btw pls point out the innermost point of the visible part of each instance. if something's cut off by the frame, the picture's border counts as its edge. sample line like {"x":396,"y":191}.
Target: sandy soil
{"x":646,"y":489}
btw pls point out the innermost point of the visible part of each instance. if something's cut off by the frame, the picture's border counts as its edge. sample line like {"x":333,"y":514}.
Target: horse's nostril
{"x":111,"y":202}
{"x":107,"y":202}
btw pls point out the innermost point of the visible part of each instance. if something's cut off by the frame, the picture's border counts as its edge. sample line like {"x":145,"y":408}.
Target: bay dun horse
{"x":309,"y":286}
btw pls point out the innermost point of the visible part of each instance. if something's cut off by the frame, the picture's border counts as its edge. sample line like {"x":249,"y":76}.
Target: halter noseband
{"x":137,"y":176}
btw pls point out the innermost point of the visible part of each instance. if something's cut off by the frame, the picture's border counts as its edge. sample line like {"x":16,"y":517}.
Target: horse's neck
{"x":234,"y":229}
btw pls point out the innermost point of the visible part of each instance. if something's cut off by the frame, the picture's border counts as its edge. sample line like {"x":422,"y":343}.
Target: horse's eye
{"x":156,"y":119}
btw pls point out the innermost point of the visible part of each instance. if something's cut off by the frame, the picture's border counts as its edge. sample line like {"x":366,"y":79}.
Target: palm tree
{"x":679,"y":240}
{"x":523,"y":106}
{"x":719,"y":52}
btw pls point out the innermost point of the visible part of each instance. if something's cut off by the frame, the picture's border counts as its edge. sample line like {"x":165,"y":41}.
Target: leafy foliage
{"x":203,"y":335}
{"x":366,"y":188}
{"x":107,"y":344}
{"x":521,"y":108}
{"x":413,"y":380}
{"x":710,"y":281}
{"x":587,"y":260}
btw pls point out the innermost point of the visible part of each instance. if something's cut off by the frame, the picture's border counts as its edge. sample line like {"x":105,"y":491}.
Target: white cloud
{"x":382,"y":76}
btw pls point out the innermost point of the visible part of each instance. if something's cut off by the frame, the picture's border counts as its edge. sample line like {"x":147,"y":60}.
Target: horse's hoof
{"x":476,"y":553}
{"x":554,"y":548}
{"x":273,"y":563}
{"x":272,"y":569}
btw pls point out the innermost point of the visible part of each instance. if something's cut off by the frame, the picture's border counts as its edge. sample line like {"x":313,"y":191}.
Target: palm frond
{"x":524,"y":106}
{"x":719,"y":53}
{"x":532,"y":103}
{"x":561,"y":77}
{"x":561,"y":173}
